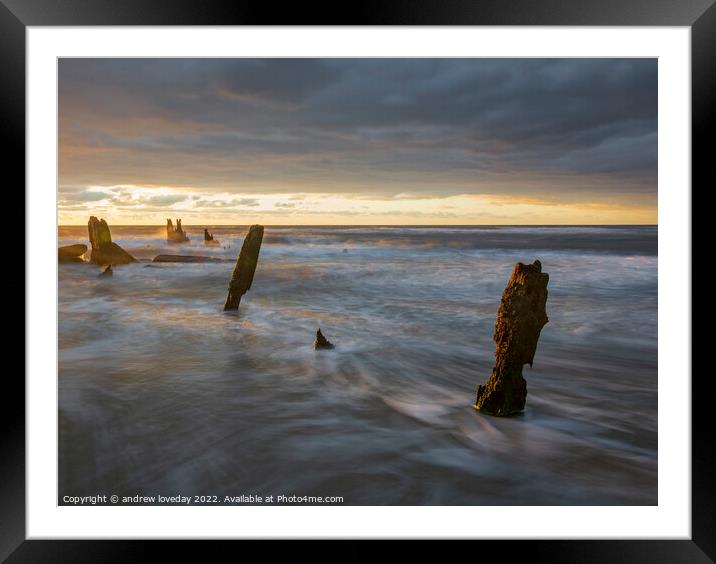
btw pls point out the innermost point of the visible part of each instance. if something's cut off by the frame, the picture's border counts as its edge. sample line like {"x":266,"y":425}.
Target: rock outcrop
{"x":520,"y":319}
{"x":187,"y":258}
{"x":71,"y":253}
{"x":176,"y":235}
{"x":209,"y":238}
{"x":320,"y":342}
{"x":245,"y":268}
{"x":104,"y":251}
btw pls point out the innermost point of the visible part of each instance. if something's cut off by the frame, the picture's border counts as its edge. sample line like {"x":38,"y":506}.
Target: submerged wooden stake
{"x":520,"y":319}
{"x":245,"y":267}
{"x":320,"y":342}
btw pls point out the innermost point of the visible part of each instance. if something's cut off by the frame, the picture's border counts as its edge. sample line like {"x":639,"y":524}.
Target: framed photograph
{"x":425,"y":274}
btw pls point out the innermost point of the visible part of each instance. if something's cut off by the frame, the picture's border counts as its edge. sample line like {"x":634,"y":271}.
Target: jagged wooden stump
{"x":209,"y":238}
{"x":176,"y":235}
{"x":245,"y":267}
{"x":104,"y":251}
{"x":520,"y":319}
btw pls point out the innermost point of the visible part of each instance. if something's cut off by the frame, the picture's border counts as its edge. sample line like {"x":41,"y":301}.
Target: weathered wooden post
{"x":245,"y":267}
{"x":520,"y":319}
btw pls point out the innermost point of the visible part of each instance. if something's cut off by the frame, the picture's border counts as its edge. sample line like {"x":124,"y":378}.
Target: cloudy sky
{"x":358,"y":141}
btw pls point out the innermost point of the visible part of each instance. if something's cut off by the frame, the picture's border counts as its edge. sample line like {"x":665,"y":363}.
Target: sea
{"x":162,"y":393}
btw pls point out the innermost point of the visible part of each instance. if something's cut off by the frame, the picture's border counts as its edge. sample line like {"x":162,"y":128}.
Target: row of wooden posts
{"x":520,"y":316}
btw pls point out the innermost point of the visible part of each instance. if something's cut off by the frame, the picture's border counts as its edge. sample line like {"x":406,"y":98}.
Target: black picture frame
{"x":699,"y":15}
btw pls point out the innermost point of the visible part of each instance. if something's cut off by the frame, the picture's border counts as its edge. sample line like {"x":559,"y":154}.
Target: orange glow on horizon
{"x":142,"y":205}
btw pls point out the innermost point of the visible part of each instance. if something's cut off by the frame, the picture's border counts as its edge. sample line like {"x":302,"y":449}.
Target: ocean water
{"x":162,"y":393}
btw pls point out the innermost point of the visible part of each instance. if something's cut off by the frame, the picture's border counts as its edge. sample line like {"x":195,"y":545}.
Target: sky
{"x":358,"y":141}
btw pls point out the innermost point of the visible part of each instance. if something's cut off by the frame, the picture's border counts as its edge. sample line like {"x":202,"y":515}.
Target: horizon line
{"x":380,"y":225}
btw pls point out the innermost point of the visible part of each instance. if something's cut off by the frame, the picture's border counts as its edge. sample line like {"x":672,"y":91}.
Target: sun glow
{"x":145,"y":205}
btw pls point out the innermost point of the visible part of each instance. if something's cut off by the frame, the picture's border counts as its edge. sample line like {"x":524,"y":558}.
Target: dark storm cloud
{"x":380,"y":126}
